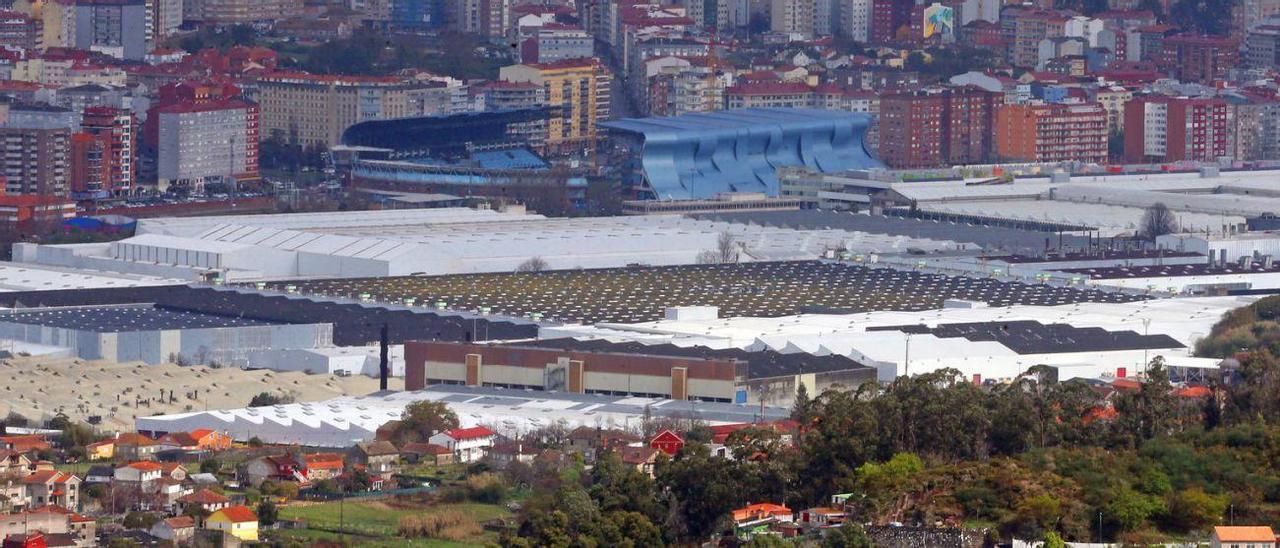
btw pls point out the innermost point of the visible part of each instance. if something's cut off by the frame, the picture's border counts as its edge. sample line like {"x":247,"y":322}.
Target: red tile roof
{"x":475,"y":432}
{"x":203,"y":497}
{"x":47,"y":476}
{"x":323,"y":460}
{"x":238,"y":514}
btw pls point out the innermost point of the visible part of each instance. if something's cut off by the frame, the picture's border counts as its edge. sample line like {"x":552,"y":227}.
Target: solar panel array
{"x":353,"y":324}
{"x":762,"y":364}
{"x":1032,"y":337}
{"x":121,"y":319}
{"x":641,"y":294}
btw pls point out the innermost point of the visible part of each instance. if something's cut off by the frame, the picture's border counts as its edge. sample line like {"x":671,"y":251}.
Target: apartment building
{"x":313,"y":110}
{"x":34,"y":146}
{"x":794,"y":17}
{"x":115,"y":131}
{"x":21,"y":31}
{"x":1052,"y":132}
{"x":937,"y":127}
{"x":1195,"y":58}
{"x":115,"y":27}
{"x":581,"y":90}
{"x":1171,"y":129}
{"x":214,"y":141}
{"x":240,"y":11}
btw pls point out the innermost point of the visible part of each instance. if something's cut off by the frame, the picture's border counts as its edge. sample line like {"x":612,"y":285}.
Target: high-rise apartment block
{"x":1052,"y":132}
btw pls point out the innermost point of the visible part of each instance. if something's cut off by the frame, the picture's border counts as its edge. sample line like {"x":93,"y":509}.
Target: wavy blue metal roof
{"x":695,"y":156}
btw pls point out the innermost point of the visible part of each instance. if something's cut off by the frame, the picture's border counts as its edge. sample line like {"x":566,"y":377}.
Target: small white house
{"x":468,"y":444}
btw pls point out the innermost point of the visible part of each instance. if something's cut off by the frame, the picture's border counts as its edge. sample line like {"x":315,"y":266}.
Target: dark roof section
{"x":125,"y":319}
{"x":354,"y":324}
{"x":1103,"y":255}
{"x":989,"y":237}
{"x":642,"y":293}
{"x":1032,"y":337}
{"x":1167,"y":271}
{"x":762,"y":364}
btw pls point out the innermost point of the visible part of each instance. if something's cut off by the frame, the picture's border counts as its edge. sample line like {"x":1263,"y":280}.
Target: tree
{"x":1194,"y":510}
{"x":727,"y":250}
{"x":268,"y":399}
{"x":703,"y":489}
{"x":849,"y":535}
{"x":423,"y":419}
{"x":628,"y":530}
{"x":1053,"y":540}
{"x":1157,"y":220}
{"x":617,"y":487}
{"x":533,"y":264}
{"x":268,"y":514}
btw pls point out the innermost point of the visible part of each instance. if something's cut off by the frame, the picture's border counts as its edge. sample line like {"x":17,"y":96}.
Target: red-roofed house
{"x":51,"y":487}
{"x":27,"y":443}
{"x":178,"y":530}
{"x":276,"y":468}
{"x":140,"y":472}
{"x":205,"y":499}
{"x":469,"y":444}
{"x":237,"y":521}
{"x":427,"y":453}
{"x":757,"y":514}
{"x":323,"y":465}
{"x":1242,"y":537}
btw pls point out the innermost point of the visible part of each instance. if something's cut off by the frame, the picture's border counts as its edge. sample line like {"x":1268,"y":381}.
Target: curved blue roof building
{"x":696,"y":156}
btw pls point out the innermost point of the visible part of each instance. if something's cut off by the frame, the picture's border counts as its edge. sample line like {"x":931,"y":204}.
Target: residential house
{"x":1242,"y":537}
{"x":166,"y":491}
{"x":52,"y":520}
{"x":323,"y":465}
{"x":52,"y":487}
{"x":101,"y":473}
{"x":640,"y":458}
{"x":822,"y":516}
{"x":379,"y":456}
{"x":504,"y":453}
{"x":275,"y":468}
{"x":586,"y":440}
{"x":204,"y":439}
{"x":469,"y":444}
{"x":237,"y":521}
{"x":178,"y":530}
{"x":25,"y":443}
{"x":102,"y":450}
{"x":749,"y":519}
{"x":141,"y":472}
{"x":13,"y":467}
{"x":426,"y":453}
{"x":133,"y":446}
{"x":205,"y":499}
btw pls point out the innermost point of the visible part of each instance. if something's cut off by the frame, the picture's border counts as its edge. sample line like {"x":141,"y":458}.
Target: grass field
{"x":376,"y":523}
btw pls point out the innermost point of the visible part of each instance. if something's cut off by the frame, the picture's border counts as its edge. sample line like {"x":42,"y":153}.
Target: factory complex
{"x":519,"y":321}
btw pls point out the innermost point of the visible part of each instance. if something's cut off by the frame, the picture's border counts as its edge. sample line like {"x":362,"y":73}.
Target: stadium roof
{"x":696,"y":156}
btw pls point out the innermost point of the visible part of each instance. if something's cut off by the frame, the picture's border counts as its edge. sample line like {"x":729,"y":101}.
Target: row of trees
{"x":1036,"y":459}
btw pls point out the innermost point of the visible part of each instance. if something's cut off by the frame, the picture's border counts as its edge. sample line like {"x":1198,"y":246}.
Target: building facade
{"x":1052,"y":133}
{"x":115,"y":27}
{"x":1172,"y":129}
{"x":579,"y":87}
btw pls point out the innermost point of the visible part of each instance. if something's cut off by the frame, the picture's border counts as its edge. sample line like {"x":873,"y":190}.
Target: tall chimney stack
{"x":384,"y":365}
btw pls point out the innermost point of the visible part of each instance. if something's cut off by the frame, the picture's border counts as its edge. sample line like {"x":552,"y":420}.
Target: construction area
{"x":113,"y":395}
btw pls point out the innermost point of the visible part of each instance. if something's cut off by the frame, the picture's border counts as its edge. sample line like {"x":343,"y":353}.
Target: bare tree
{"x":534,"y":264}
{"x":1157,"y":220}
{"x":727,"y":250}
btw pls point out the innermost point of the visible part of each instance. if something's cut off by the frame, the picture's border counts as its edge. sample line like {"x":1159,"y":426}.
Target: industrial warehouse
{"x":720,"y":316}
